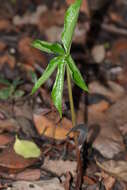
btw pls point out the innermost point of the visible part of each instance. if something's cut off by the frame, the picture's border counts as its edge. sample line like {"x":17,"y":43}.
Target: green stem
{"x":73,"y":122}
{"x":73,"y":117}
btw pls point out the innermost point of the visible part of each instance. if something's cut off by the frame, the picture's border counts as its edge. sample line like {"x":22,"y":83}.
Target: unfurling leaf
{"x":70,"y":21}
{"x":48,"y":47}
{"x":47,"y":73}
{"x":75,"y":74}
{"x":57,"y":91}
{"x":27,"y":149}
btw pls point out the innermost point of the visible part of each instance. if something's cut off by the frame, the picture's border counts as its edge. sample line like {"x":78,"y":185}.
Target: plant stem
{"x":73,"y":117}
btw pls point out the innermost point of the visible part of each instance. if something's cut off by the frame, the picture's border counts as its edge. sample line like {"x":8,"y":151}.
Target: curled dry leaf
{"x":48,"y":127}
{"x":117,"y":169}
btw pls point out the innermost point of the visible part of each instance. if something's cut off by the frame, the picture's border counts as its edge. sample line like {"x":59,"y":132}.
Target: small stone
{"x":98,"y":53}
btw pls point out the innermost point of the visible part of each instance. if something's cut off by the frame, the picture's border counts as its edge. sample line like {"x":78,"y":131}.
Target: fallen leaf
{"x":23,"y":109}
{"x":117,"y":169}
{"x":59,"y":166}
{"x":46,"y":126}
{"x":52,"y":184}
{"x":5,"y":139}
{"x":6,"y":58}
{"x":113,"y":92}
{"x":108,"y":181}
{"x":102,"y":106}
{"x":27,"y":149}
{"x":29,"y":175}
{"x":109,"y":141}
{"x":12,"y":162}
{"x":30,"y":55}
{"x":118,"y":112}
{"x":9,"y":125}
{"x":119,"y":52}
{"x":2,"y":46}
{"x":88,"y":180}
{"x":5,"y":25}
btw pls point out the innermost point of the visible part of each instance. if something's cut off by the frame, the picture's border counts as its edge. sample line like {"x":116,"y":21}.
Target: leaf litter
{"x":19,"y":115}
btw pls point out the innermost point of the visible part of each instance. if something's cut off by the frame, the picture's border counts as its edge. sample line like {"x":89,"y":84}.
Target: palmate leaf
{"x":57,"y":91}
{"x":70,"y":21}
{"x":47,"y":73}
{"x":48,"y":47}
{"x":75,"y":74}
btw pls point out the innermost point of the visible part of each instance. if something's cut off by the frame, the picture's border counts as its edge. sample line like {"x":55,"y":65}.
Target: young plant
{"x":62,"y":61}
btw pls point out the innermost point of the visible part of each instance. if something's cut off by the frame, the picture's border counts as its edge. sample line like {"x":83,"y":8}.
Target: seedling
{"x":10,"y":90}
{"x":62,"y":61}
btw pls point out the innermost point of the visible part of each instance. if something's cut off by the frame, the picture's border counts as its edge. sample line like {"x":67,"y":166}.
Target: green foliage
{"x":75,"y":74}
{"x":57,"y":91}
{"x":47,"y":47}
{"x":70,"y":21}
{"x":27,"y":149}
{"x":47,"y":73}
{"x":63,"y":59}
{"x":10,"y":91}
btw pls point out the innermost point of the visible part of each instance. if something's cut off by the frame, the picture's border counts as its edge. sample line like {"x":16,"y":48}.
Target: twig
{"x":113,"y":29}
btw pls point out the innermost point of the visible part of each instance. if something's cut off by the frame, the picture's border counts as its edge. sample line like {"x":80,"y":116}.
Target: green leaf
{"x":4,"y":81}
{"x":33,"y":76}
{"x":70,"y":21}
{"x":18,"y":94}
{"x":27,"y":149}
{"x":46,"y":74}
{"x":4,"y":93}
{"x":48,"y":47}
{"x":57,"y":91}
{"x":75,"y":74}
{"x":17,"y":82}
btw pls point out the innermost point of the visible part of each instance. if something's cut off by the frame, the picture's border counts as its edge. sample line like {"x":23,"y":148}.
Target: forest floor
{"x":100,"y":51}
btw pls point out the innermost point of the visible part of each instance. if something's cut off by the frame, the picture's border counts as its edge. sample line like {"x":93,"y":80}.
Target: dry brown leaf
{"x":46,"y":126}
{"x":114,"y":92}
{"x":6,"y":58}
{"x":119,"y":51}
{"x":11,"y":162}
{"x":29,"y":54}
{"x":109,"y":141}
{"x":45,"y":20}
{"x":116,"y":169}
{"x":29,"y":175}
{"x":2,"y":46}
{"x":60,"y":166}
{"x":99,"y":107}
{"x":5,"y":139}
{"x":52,"y":184}
{"x":109,"y":182}
{"x":5,"y":25}
{"x":9,"y":125}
